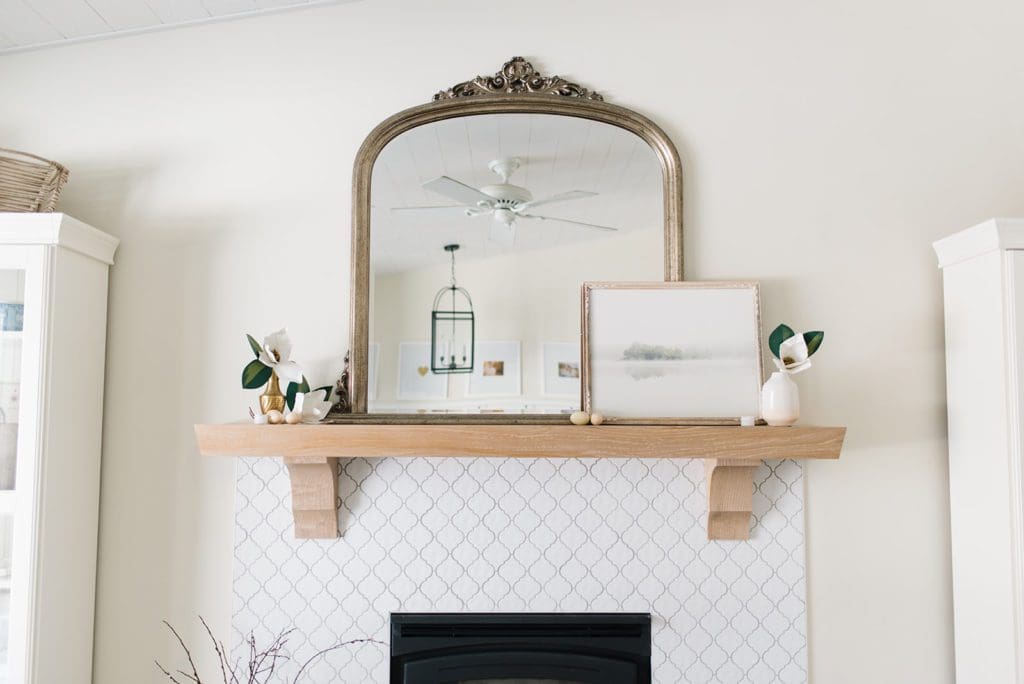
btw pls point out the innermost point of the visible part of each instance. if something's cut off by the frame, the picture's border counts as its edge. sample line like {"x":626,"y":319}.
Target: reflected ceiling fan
{"x":507,"y":203}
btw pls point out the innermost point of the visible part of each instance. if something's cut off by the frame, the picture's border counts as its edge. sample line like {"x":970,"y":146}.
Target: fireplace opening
{"x":520,"y":648}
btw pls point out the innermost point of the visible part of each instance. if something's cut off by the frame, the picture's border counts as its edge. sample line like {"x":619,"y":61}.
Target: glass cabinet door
{"x":12,"y":308}
{"x":53,"y":305}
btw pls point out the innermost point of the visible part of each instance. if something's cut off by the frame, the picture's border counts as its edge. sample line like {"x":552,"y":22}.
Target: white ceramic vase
{"x":780,"y":400}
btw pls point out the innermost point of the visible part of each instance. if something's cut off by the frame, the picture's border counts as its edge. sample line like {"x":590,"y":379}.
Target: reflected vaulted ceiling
{"x":557,"y":154}
{"x":26,"y":24}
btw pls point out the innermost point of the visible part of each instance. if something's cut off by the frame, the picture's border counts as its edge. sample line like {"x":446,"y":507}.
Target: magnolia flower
{"x":793,"y":355}
{"x":312,"y":406}
{"x":276,"y":355}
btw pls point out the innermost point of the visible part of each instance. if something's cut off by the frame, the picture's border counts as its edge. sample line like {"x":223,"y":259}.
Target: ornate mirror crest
{"x":517,"y":77}
{"x":516,"y":89}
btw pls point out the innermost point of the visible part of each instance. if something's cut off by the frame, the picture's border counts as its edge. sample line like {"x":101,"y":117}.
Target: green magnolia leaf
{"x":293,"y":389}
{"x":256,"y":348}
{"x":813,"y":340}
{"x":255,"y":375}
{"x":782,"y":333}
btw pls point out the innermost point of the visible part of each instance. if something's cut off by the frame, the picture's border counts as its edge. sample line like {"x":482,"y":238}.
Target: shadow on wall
{"x":185,"y":286}
{"x":163,"y":296}
{"x":101,"y":194}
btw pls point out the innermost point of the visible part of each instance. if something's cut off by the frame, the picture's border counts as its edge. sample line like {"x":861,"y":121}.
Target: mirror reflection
{"x":483,"y":229}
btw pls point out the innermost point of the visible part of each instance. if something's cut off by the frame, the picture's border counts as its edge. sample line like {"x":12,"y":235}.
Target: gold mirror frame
{"x":517,"y":89}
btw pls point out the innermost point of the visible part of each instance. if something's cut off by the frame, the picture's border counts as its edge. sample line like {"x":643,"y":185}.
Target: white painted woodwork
{"x":173,"y":12}
{"x":983,"y":282}
{"x":72,"y":18}
{"x":29,"y":24}
{"x":19,"y":25}
{"x":124,"y":16}
{"x":56,"y":498}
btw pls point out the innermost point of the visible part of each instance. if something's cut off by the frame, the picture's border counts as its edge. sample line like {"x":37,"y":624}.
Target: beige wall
{"x":825,"y":146}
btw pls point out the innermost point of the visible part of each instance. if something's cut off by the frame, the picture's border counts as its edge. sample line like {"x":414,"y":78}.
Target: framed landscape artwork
{"x":679,"y":350}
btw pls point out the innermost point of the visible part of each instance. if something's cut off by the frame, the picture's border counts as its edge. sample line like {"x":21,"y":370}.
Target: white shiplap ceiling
{"x":557,"y":153}
{"x":31,"y":24}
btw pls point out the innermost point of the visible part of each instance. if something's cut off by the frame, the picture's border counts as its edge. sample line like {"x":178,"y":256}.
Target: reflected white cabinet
{"x":983,"y":283}
{"x":53,"y":324}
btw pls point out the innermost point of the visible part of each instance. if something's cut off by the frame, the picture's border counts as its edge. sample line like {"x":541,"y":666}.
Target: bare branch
{"x":256,"y":665}
{"x":252,"y":657}
{"x":262,"y":663}
{"x":232,"y":669}
{"x":320,"y":654}
{"x":216,"y":647}
{"x":169,"y":675}
{"x":191,"y":662}
{"x":273,"y":652}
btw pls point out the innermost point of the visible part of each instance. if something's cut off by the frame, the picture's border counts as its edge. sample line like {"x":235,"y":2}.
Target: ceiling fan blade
{"x":460,"y":192}
{"x":577,"y":223}
{"x":560,"y":197}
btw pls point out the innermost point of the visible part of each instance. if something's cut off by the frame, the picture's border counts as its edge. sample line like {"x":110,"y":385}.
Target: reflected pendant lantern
{"x":452,"y":327}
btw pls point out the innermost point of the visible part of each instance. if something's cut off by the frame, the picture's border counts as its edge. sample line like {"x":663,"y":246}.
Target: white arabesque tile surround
{"x":544,"y":535}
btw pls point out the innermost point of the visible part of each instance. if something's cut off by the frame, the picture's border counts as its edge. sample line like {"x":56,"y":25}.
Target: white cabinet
{"x":983,"y":283}
{"x":53,"y":323}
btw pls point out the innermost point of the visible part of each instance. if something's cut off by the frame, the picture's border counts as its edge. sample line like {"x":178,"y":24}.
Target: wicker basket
{"x":28,"y":182}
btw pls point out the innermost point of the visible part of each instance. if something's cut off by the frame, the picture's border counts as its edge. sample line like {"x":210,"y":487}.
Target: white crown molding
{"x":988,"y":236}
{"x":57,"y":229}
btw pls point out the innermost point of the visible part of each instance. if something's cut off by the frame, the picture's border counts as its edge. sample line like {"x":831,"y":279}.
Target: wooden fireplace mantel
{"x":311,"y":452}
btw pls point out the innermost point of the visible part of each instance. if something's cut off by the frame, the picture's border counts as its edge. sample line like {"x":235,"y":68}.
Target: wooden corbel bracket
{"x":314,"y":485}
{"x":312,"y":452}
{"x":730,"y":486}
{"x":314,"y":496}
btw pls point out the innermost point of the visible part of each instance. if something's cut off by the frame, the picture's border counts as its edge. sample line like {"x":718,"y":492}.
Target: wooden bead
{"x":596,"y":419}
{"x":293,"y":418}
{"x":275,"y":417}
{"x":580,"y":418}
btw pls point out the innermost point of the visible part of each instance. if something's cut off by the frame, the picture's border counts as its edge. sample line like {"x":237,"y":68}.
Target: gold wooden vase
{"x":272,"y":399}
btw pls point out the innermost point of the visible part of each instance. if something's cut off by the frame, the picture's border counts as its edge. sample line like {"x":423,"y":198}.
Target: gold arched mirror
{"x":476,"y":218}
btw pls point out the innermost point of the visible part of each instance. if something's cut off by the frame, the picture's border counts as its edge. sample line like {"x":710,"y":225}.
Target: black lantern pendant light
{"x":452,"y":327}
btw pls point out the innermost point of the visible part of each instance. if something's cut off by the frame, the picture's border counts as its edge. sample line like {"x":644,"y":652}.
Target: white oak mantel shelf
{"x":731,"y":455}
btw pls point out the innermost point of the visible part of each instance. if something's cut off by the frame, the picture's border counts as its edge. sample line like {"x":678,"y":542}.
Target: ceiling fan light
{"x":503,"y":215}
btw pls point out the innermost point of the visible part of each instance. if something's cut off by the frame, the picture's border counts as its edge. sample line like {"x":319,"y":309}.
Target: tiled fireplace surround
{"x":512,"y":535}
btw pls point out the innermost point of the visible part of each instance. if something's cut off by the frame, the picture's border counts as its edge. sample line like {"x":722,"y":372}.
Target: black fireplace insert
{"x":533,"y":648}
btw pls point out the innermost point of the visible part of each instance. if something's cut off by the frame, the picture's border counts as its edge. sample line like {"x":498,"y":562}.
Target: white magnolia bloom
{"x":312,"y":406}
{"x":793,"y":356}
{"x":276,"y":353}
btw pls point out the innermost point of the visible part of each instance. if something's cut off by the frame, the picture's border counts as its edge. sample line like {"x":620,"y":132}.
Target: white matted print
{"x":415,"y":381}
{"x":496,"y":371}
{"x":372,"y":370}
{"x":672,"y":350}
{"x":561,"y":367}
